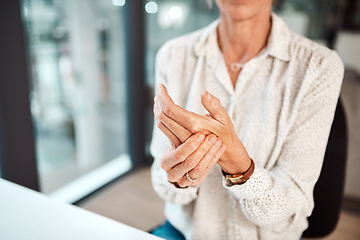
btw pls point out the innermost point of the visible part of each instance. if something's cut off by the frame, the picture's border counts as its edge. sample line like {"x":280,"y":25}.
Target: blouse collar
{"x":278,"y":41}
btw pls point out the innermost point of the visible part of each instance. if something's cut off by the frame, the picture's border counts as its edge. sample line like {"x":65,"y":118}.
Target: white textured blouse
{"x":282,"y":108}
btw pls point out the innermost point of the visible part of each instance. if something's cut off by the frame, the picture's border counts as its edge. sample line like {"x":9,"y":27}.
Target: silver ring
{"x":190,"y":179}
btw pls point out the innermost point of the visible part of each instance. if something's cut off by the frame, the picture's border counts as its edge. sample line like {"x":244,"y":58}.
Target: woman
{"x":243,"y":112}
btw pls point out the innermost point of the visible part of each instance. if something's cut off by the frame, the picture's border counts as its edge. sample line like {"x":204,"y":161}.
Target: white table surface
{"x":28,"y":215}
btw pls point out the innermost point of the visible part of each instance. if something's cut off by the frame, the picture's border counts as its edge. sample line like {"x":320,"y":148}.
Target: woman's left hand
{"x":182,"y":124}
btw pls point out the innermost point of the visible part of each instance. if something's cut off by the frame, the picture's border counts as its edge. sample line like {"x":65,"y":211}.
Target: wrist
{"x":235,"y":162}
{"x":236,"y":167}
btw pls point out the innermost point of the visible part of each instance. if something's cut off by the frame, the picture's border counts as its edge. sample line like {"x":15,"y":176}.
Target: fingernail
{"x":208,"y":97}
{"x":199,"y":137}
{"x":212,"y":139}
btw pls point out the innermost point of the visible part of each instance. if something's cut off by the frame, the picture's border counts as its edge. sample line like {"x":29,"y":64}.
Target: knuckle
{"x":183,"y":136}
{"x":171,"y":178}
{"x":204,"y":148}
{"x":159,"y":125}
{"x":156,"y":114}
{"x":194,"y":144}
{"x":187,"y":132}
{"x":175,"y":143}
{"x":161,"y":116}
{"x":162,"y":165}
{"x":217,"y":102}
{"x":220,"y":152}
{"x":199,"y":169}
{"x":213,"y":150}
{"x":182,"y":183}
{"x":210,"y":154}
{"x":211,"y":164}
{"x":178,"y":156}
{"x":222,"y":148}
{"x":167,"y":110}
{"x":189,"y":164}
{"x":156,"y":111}
{"x":195,"y":127}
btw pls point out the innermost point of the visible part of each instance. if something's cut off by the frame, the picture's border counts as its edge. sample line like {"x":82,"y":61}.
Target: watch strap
{"x":238,"y":179}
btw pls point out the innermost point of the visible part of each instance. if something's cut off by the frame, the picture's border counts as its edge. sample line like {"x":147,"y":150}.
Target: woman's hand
{"x":176,"y":133}
{"x":179,"y":124}
{"x":195,"y":157}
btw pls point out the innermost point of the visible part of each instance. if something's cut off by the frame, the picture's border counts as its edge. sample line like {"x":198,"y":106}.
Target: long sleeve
{"x":275,"y":198}
{"x":160,"y":144}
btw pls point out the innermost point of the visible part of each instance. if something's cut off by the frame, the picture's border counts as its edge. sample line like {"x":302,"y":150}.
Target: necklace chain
{"x":234,"y":66}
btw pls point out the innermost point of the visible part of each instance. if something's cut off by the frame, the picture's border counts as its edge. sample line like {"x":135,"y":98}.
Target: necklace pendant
{"x":236,"y":66}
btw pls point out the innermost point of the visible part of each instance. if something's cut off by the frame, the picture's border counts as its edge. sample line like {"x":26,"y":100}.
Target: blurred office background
{"x":83,"y":71}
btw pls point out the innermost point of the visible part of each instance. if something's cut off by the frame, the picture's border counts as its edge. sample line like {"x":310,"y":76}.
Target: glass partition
{"x":78,"y":99}
{"x":166,"y":19}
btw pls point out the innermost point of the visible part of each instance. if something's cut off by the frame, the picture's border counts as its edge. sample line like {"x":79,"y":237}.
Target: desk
{"x":28,"y":215}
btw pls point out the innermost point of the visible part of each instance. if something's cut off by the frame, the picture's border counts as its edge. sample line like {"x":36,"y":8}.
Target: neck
{"x":241,"y":40}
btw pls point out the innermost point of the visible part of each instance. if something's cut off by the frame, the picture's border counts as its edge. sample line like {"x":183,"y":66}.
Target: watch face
{"x":227,"y":182}
{"x":234,"y":181}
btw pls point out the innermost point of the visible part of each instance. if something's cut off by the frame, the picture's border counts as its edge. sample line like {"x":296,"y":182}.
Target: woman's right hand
{"x":196,"y":156}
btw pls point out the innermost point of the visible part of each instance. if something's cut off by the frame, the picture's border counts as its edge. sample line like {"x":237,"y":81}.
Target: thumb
{"x":163,"y":93}
{"x":214,"y":107}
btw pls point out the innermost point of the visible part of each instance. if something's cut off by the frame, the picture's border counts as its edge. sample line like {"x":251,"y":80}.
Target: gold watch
{"x":238,"y":179}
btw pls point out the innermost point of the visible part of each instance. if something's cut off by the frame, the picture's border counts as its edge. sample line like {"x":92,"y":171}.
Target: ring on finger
{"x":190,"y":179}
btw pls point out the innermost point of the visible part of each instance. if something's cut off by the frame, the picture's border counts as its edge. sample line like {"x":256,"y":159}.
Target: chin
{"x":240,"y":10}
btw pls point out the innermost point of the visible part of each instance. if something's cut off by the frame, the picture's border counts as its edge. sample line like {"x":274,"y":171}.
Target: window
{"x":78,"y":93}
{"x":168,"y":19}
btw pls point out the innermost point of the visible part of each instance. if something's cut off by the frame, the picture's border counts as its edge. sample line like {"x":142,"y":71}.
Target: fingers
{"x":181,"y":153}
{"x":204,"y":164}
{"x":201,"y":175}
{"x":175,"y":142}
{"x":194,"y":159}
{"x":189,"y":120}
{"x":211,"y":164}
{"x":179,"y":131}
{"x":214,"y":107}
{"x":217,"y":156}
{"x":196,"y":162}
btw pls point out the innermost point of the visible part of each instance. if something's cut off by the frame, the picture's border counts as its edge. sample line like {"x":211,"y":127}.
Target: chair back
{"x":329,"y":189}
